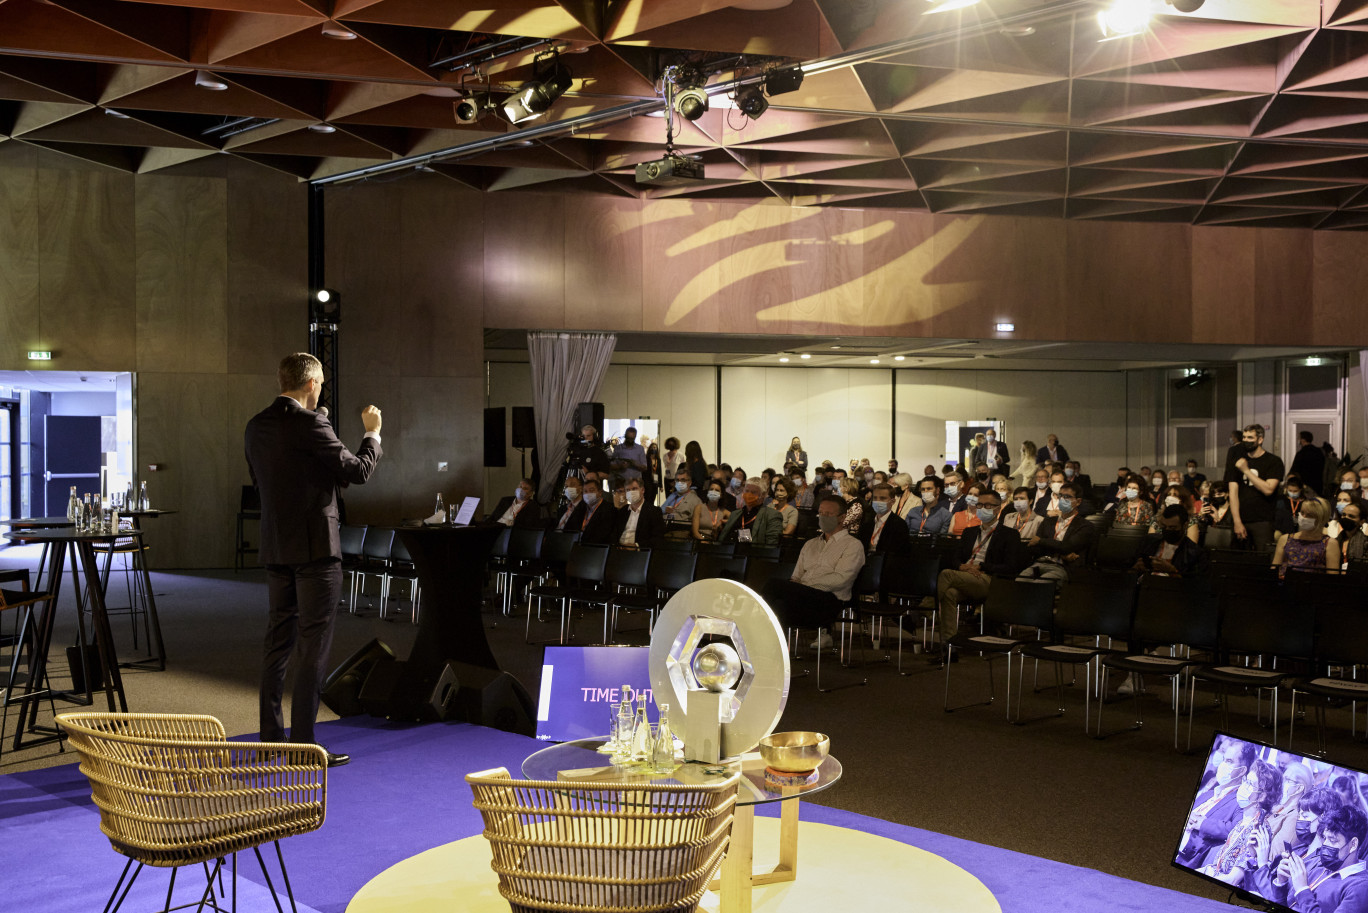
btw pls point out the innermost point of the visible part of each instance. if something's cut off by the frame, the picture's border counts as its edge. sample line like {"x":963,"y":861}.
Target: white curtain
{"x":567,"y":369}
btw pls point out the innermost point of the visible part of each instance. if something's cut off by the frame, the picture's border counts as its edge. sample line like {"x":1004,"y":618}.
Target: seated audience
{"x":1349,"y":531}
{"x":1310,"y":546}
{"x":1216,"y":810}
{"x":782,"y":502}
{"x":854,"y":509}
{"x":1048,"y":506}
{"x":928,"y":518}
{"x":823,"y":577}
{"x":639,"y":524}
{"x":904,"y":494}
{"x":1134,"y":509}
{"x":711,"y":514}
{"x":1215,"y":509}
{"x":1298,"y":781}
{"x":882,"y":530}
{"x":753,"y":521}
{"x":1073,"y":472}
{"x":987,"y":550}
{"x":1062,"y":543}
{"x":521,"y":510}
{"x":1157,"y":482}
{"x":1116,"y":490}
{"x":1285,"y":511}
{"x":1179,"y":495}
{"x":802,"y":493}
{"x":572,"y":516}
{"x":722,"y":476}
{"x":1335,"y":878}
{"x":599,"y":517}
{"x":683,"y":500}
{"x":1019,"y":516}
{"x":1173,"y":477}
{"x":952,"y":497}
{"x":1174,"y":553}
{"x":1041,"y":492}
{"x":1302,"y":839}
{"x":967,"y":516}
{"x":1262,"y":787}
{"x":1192,"y":478}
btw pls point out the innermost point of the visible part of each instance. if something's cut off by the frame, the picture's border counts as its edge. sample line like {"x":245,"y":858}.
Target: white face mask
{"x":797,"y":480}
{"x":1305,"y":524}
{"x":1171,"y":500}
{"x":1069,"y":473}
{"x":1040,"y":486}
{"x":1022,"y":505}
{"x":591,"y":497}
{"x":952,"y":491}
{"x":681,"y":487}
{"x":1055,"y":486}
{"x":633,"y":497}
{"x":1363,"y":483}
{"x":1132,"y":494}
{"x":519,"y":494}
{"x":928,"y":497}
{"x":1157,"y":481}
{"x":1346,"y":486}
{"x":572,"y":493}
{"x":714,"y":495}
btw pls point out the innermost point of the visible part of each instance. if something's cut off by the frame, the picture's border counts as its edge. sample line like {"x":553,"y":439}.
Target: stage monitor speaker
{"x":589,"y":414}
{"x":378,"y":690}
{"x":495,"y":437}
{"x":524,"y":428}
{"x":342,"y":688}
{"x":488,"y":697}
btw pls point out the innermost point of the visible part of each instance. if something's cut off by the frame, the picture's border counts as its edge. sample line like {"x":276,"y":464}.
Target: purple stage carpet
{"x":404,"y":793}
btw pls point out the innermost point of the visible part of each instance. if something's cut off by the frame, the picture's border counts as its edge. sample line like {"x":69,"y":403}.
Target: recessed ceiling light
{"x":873,"y":361}
{"x":835,"y":347}
{"x":322,"y":128}
{"x":899,"y":357}
{"x":209,"y":81}
{"x":338,"y":33}
{"x":1017,"y":31}
{"x":119,"y":114}
{"x":783,"y":358}
{"x":805,"y":356}
{"x":944,"y":6}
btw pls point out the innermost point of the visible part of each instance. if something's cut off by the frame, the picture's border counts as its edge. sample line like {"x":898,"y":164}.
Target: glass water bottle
{"x":73,"y":506}
{"x":641,"y":733}
{"x":664,"y":755}
{"x":143,"y":502}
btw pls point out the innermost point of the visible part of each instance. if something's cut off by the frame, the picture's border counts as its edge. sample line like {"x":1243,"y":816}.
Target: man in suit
{"x":1052,"y":452}
{"x":987,"y":550}
{"x":520,"y":510}
{"x":753,"y":521}
{"x":297,"y":463}
{"x":993,"y":452}
{"x":881,"y":529}
{"x":637,"y":524}
{"x":572,"y":515}
{"x":1074,"y":473}
{"x":599,"y":517}
{"x":1061,"y":542}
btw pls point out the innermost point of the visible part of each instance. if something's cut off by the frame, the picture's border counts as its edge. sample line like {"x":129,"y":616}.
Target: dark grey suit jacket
{"x":297,"y":462}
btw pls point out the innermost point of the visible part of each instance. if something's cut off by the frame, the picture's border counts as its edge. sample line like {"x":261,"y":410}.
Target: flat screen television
{"x":580,"y":685}
{"x":1269,"y":824}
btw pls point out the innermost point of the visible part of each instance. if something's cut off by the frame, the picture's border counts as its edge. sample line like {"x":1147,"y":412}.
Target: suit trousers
{"x":952,"y":587}
{"x":799,"y":606}
{"x":299,"y":632}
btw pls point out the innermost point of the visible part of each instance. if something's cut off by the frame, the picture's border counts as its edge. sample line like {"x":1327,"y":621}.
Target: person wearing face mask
{"x":1215,"y":810}
{"x":928,"y":517}
{"x":1193,"y":479}
{"x":1334,"y":880}
{"x":722,"y":476}
{"x":1348,"y":528}
{"x":881,"y":529}
{"x":572,"y":517}
{"x":638,"y":524}
{"x":1019,"y":515}
{"x":682,"y":500}
{"x":1177,"y":494}
{"x":1040,"y":491}
{"x":782,"y":503}
{"x":1310,"y":546}
{"x":1285,"y":514}
{"x":1215,"y":506}
{"x":967,"y":517}
{"x":904,"y":494}
{"x":1234,"y":859}
{"x":599,"y":518}
{"x":1300,"y":836}
{"x":796,"y":457}
{"x":1173,"y":553}
{"x":1282,"y":820}
{"x":1062,"y":542}
{"x":709,"y":518}
{"x":1252,"y":484}
{"x":1156,"y":488}
{"x":1052,"y":452}
{"x":801,"y":494}
{"x":521,"y":509}
{"x":1048,"y":506}
{"x":1308,"y":463}
{"x":753,"y":522}
{"x":993,"y":453}
{"x":1134,"y":509}
{"x":1116,"y":490}
{"x":986,"y":550}
{"x":1073,"y":472}
{"x":952,"y":496}
{"x":823,"y":577}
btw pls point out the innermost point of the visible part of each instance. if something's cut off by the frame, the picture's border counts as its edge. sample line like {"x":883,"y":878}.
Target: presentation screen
{"x":1271,"y":824}
{"x":581,"y":685}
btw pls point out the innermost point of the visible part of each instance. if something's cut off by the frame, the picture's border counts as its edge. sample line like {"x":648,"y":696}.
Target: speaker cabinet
{"x":589,"y":414}
{"x":342,"y":688}
{"x":495,"y":437}
{"x":524,"y":427}
{"x":488,"y":697}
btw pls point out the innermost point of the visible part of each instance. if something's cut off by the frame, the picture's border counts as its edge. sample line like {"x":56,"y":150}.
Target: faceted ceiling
{"x":1242,"y":112}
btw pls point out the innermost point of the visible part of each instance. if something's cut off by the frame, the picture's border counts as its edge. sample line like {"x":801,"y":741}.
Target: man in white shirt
{"x":522,"y":506}
{"x":823,"y":577}
{"x":638,"y":524}
{"x":573,"y":514}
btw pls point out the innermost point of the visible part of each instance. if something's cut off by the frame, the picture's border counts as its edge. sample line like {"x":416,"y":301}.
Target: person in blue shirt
{"x":929,"y":518}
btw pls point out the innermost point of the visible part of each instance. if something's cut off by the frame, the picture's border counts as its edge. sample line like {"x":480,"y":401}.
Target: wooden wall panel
{"x":681,"y":245}
{"x":1223,"y":279}
{"x":1338,"y":265}
{"x":20,"y":272}
{"x":365,"y":262}
{"x":900,"y":296}
{"x":1143,"y":296}
{"x":605,"y":263}
{"x":182,"y":273}
{"x":525,"y":249}
{"x":268,"y":276}
{"x":86,"y":250}
{"x":1283,"y":286}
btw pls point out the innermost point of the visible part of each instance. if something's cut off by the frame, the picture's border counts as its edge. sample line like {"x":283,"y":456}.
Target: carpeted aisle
{"x":402,"y":794}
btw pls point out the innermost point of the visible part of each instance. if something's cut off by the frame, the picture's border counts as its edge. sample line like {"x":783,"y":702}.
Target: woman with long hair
{"x":698,"y":467}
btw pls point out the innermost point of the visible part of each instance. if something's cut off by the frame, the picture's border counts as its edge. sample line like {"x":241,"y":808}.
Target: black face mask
{"x":1173,"y":536}
{"x":1249,"y":446}
{"x":1304,"y":832}
{"x":1330,"y":859}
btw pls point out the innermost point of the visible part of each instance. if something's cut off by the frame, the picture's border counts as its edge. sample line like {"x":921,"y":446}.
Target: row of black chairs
{"x":369,"y":551}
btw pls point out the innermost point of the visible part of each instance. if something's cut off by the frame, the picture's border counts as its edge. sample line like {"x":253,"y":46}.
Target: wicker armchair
{"x":172,"y":792}
{"x":603,"y":847}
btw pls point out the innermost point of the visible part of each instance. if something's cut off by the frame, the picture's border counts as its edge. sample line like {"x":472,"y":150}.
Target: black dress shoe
{"x":337,"y":760}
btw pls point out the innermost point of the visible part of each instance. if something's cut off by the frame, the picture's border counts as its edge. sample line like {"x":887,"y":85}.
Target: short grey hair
{"x":297,"y":370}
{"x":754,"y":482}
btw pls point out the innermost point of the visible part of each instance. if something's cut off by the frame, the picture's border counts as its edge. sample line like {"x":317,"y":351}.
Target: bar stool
{"x":129,"y":550}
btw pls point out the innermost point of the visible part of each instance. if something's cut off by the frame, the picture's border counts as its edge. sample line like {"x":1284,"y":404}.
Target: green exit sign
{"x":40,"y":356}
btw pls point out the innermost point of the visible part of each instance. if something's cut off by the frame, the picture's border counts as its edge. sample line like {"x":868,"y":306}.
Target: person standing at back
{"x":297,"y":463}
{"x":1252,"y":481}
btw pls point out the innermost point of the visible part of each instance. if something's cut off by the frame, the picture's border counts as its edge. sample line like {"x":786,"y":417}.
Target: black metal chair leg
{"x":110,"y":905}
{"x":267,"y":875}
{"x":285,"y":876}
{"x":171,"y":886}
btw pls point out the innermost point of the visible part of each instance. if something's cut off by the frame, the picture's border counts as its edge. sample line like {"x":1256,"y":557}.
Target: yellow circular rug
{"x":836,"y":866}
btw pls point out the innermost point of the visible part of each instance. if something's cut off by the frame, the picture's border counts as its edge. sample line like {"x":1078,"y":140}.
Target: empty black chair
{"x":523,"y":561}
{"x":1117,"y":552}
{"x":1010,"y":603}
{"x":712,"y":565}
{"x":249,"y":508}
{"x":759,"y":572}
{"x":1097,"y":607}
{"x":905,"y":583}
{"x":498,"y":559}
{"x":627,"y":577}
{"x":585,"y":572}
{"x":762,"y":552}
{"x":1341,"y":640}
{"x":555,"y":553}
{"x":1169,"y":611}
{"x":716,"y":549}
{"x":375,"y":561}
{"x":353,"y":539}
{"x":402,"y":567}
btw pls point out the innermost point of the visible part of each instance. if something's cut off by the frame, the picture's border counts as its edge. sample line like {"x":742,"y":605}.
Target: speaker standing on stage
{"x":297,"y":462}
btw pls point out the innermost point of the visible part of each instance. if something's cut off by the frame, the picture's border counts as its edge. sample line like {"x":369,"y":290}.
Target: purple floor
{"x":404,"y":793}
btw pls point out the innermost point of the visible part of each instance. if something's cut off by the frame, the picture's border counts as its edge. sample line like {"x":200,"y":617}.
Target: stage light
{"x":691,"y":103}
{"x":324,"y":295}
{"x":1186,"y":6}
{"x":469,"y":110}
{"x":535,"y":98}
{"x":789,"y":79}
{"x":1124,"y":18}
{"x":205,"y":80}
{"x":944,"y":6}
{"x":751,"y":102}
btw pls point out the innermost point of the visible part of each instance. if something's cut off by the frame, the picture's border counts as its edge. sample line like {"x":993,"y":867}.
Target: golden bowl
{"x":794,"y":751}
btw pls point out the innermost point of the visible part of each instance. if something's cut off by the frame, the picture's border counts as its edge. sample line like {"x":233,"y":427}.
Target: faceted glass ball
{"x":716,"y":667}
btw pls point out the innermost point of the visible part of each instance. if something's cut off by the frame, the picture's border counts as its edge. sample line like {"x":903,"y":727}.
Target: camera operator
{"x":585,"y":457}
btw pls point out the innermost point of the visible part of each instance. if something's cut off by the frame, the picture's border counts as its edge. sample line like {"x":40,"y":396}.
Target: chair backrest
{"x":1099,"y":606}
{"x":759,"y":571}
{"x":711,"y":566}
{"x":352,"y":538}
{"x":1138,"y":532}
{"x":671,"y":570}
{"x":1317,"y":589}
{"x":250,"y":500}
{"x":378,"y":544}
{"x":525,"y":544}
{"x":1341,"y":634}
{"x":1118,"y":551}
{"x":722,"y":549}
{"x":1266,"y":625}
{"x":676,"y":543}
{"x":1020,"y":602}
{"x":556,"y":546}
{"x":399,"y":553}
{"x":500,"y":547}
{"x":1170,"y":610}
{"x":1238,"y":557}
{"x":628,"y":566}
{"x":172,"y":791}
{"x":587,"y":562}
{"x":1218,"y":537}
{"x":808,"y":525}
{"x":912,"y":577}
{"x":752,"y":550}
{"x":870,"y":580}
{"x":603,"y":847}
